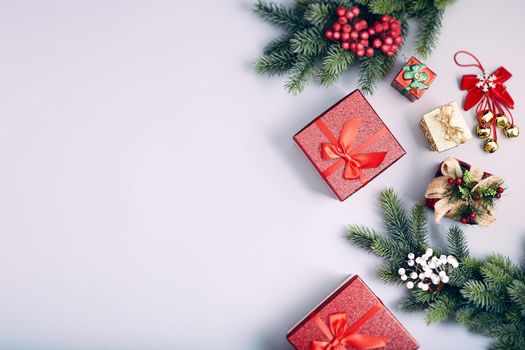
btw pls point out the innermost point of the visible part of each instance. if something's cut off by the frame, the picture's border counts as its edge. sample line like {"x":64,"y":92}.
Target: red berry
{"x":349,"y":14}
{"x":364,"y":24}
{"x":347,"y":28}
{"x":395,"y":26}
{"x":464,"y":220}
{"x":337,"y":35}
{"x":342,"y":20}
{"x":498,"y":195}
{"x":394,"y":48}
{"x":341,"y":10}
{"x":364,"y":35}
{"x":390,"y":53}
{"x":500,"y":189}
{"x":364,"y":42}
{"x":360,"y":53}
{"x":354,"y":35}
{"x":384,"y":48}
{"x":377,"y":43}
{"x":329,"y":34}
{"x":360,"y":47}
{"x":395,"y":33}
{"x":388,"y":40}
{"x":358,"y":26}
{"x":355,"y":10}
{"x":472,"y":216}
{"x":345,"y":37}
{"x":345,"y":45}
{"x":378,"y":27}
{"x":369,"y":52}
{"x":336,"y":27}
{"x":385,"y":18}
{"x":386,"y":26}
{"x":459,"y":181}
{"x":398,"y":40}
{"x":371,"y":31}
{"x":451,"y":180}
{"x":353,"y":46}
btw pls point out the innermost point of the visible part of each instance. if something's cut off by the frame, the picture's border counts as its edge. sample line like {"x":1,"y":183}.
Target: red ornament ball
{"x":459,"y":181}
{"x":451,"y":180}
{"x":464,"y":220}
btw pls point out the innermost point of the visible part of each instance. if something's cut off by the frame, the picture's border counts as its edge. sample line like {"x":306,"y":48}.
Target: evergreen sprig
{"x":487,"y":296}
{"x":304,"y":25}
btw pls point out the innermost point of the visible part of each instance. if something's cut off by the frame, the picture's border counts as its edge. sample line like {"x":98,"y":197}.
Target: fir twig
{"x":279,"y":15}
{"x":302,"y":70}
{"x":334,"y":64}
{"x":430,"y":26}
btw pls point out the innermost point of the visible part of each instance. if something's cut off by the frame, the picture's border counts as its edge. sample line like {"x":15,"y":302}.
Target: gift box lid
{"x":368,"y":138}
{"x":355,"y":299}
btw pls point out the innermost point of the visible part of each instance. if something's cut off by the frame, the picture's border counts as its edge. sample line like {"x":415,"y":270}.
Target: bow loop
{"x":352,"y":156}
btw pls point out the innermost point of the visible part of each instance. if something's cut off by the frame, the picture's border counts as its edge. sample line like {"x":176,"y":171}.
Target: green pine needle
{"x":442,"y":4}
{"x":275,"y":63}
{"x":318,"y":14}
{"x":278,"y":44}
{"x":279,"y":15}
{"x":440,"y":309}
{"x":430,"y":27}
{"x":457,"y":243}
{"x":394,"y":215}
{"x":308,"y":42}
{"x":381,"y":7}
{"x":372,"y":70}
{"x":335,"y":63}
{"x":418,"y":228}
{"x":300,"y":73}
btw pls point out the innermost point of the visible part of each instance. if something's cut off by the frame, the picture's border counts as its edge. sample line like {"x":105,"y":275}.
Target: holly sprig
{"x":304,"y":53}
{"x":487,"y":296}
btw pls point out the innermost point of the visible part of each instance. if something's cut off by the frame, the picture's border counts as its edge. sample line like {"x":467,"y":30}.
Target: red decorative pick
{"x":487,"y":91}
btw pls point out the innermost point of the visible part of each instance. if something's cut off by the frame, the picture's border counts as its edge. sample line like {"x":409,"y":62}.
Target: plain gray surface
{"x":151,"y":196}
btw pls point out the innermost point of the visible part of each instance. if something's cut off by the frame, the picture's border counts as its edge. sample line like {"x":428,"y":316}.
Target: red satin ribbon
{"x":344,"y":151}
{"x":496,"y":98}
{"x":342,"y":337}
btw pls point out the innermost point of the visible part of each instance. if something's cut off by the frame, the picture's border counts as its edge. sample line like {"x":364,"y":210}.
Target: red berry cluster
{"x":357,"y":36}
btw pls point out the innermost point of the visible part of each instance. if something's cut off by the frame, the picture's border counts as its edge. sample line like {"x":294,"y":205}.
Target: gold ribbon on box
{"x":448,"y":206}
{"x":452,"y":132}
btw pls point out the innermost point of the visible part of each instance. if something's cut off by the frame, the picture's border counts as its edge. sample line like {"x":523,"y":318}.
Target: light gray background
{"x":150,"y":193}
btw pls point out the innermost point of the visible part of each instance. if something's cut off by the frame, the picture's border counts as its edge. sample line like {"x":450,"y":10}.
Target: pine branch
{"x":414,"y":7}
{"x":418,"y":228}
{"x":300,"y":73}
{"x":381,"y":7}
{"x":516,"y":291}
{"x":467,"y":270}
{"x":275,"y":63}
{"x":484,"y":295}
{"x":442,"y":4}
{"x":279,"y":44}
{"x":279,"y":15}
{"x":308,"y":42}
{"x":478,"y":321}
{"x":389,"y":274}
{"x":335,"y":63}
{"x":457,"y":243}
{"x":430,"y":27}
{"x":394,"y":215}
{"x":440,"y":309}
{"x":412,"y":304}
{"x":362,"y":237}
{"x":372,"y":70}
{"x":318,"y":14}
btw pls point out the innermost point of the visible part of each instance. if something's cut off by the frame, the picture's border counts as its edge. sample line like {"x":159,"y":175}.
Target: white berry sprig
{"x":428,"y":272}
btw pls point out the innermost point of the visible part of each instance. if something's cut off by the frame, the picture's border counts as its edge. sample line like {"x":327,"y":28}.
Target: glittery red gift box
{"x":400,"y":83}
{"x":367,"y":141}
{"x":367,"y":321}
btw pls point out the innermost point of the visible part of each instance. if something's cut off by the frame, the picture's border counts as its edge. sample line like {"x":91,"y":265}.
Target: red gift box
{"x":349,"y":145}
{"x":352,"y":317}
{"x":408,"y":81}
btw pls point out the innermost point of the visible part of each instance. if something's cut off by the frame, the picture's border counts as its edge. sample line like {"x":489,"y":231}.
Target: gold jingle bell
{"x":502,"y":121}
{"x":486,"y":117}
{"x":483,"y":132}
{"x":511,"y":131}
{"x":490,"y":146}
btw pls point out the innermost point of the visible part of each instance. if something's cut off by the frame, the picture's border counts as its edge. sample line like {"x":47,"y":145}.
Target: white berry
{"x":410,"y":285}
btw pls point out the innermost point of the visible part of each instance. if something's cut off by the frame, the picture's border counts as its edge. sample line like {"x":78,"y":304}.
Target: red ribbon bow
{"x":342,"y":337}
{"x":344,"y":151}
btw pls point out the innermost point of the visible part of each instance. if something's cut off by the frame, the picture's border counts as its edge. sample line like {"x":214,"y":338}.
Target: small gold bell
{"x":483,"y":132}
{"x":502,"y":121}
{"x":486,"y":117}
{"x":512,"y":131}
{"x":490,"y":146}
